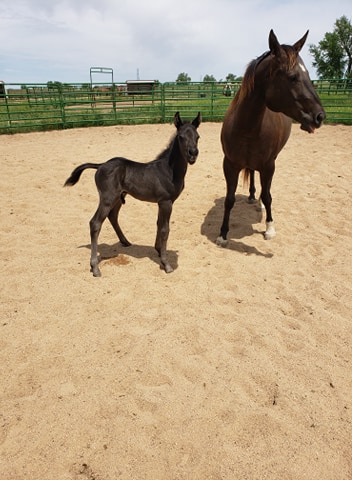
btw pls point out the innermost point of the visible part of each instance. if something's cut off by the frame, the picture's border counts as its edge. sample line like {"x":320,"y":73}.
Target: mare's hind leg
{"x":251,"y":198}
{"x":252,"y":190}
{"x":113,"y":217}
{"x":266,"y":179}
{"x":231,"y":185}
{"x":165,"y":209}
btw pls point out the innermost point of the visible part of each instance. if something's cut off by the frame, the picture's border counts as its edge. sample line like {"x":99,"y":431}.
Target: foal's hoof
{"x":126,"y":243}
{"x":221,"y":242}
{"x":95,"y":271}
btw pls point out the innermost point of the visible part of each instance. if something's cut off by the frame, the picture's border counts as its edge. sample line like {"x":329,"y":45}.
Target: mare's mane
{"x":247,"y":84}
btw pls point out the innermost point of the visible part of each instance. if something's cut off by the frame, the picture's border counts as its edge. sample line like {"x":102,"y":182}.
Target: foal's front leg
{"x":165,"y":209}
{"x":95,"y":227}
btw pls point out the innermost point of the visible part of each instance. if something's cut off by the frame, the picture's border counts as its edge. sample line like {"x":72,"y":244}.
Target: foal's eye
{"x":293,"y":78}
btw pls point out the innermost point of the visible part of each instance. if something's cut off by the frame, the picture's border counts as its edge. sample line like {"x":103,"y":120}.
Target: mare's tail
{"x":246,"y":172}
{"x":76,"y":174}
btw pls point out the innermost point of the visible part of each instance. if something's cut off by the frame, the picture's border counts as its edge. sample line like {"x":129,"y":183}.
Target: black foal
{"x":160,"y":181}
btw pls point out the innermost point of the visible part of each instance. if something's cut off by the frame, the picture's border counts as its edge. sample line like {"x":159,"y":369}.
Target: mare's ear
{"x":177,"y":120}
{"x":197,"y":120}
{"x":298,"y":45}
{"x":274,"y":45}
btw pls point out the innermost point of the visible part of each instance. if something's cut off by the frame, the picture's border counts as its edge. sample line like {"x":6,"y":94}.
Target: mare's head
{"x":188,"y":137}
{"x":288,"y":88}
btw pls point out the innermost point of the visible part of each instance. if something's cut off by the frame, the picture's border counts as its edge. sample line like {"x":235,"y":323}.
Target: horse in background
{"x":276,"y":88}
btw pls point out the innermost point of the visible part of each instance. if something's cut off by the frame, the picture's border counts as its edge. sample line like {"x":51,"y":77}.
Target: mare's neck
{"x":250,"y":105}
{"x":251,"y":111}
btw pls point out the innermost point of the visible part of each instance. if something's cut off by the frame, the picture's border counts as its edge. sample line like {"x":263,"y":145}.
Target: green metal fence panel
{"x":58,"y":106}
{"x":336,"y":96}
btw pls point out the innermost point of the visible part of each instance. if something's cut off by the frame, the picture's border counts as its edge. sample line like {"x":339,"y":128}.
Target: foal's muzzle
{"x":193,"y":154}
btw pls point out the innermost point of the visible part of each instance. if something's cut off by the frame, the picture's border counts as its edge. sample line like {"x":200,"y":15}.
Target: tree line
{"x":185,"y":78}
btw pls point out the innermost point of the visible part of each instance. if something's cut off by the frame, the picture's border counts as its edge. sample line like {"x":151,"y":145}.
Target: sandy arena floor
{"x":238,"y":365}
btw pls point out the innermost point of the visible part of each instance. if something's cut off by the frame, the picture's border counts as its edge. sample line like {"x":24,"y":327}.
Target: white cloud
{"x":61,"y":39}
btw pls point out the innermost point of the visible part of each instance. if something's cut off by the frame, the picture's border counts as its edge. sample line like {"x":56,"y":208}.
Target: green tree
{"x":230,"y":77}
{"x":333,"y":54}
{"x":209,"y":78}
{"x":183,"y":78}
{"x":54,"y":85}
{"x":343,"y":28}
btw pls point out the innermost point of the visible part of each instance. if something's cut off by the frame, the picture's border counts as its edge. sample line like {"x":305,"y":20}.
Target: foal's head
{"x":288,"y":88}
{"x":188,"y":137}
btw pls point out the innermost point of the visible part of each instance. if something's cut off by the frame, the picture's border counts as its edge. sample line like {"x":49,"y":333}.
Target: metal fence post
{"x":62,"y":105}
{"x":162,"y":102}
{"x":213,"y":93}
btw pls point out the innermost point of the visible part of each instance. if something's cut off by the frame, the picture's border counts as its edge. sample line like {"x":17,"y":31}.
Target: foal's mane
{"x":247,"y":84}
{"x":167,"y":149}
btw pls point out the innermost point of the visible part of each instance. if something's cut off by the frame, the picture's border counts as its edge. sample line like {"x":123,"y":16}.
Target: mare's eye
{"x":293,"y":78}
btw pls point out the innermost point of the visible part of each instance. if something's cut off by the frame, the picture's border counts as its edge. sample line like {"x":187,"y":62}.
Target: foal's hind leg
{"x":113,"y":217}
{"x":165,"y":209}
{"x":231,"y":184}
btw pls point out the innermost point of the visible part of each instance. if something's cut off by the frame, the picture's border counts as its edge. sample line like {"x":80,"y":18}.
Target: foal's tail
{"x":76,"y":174}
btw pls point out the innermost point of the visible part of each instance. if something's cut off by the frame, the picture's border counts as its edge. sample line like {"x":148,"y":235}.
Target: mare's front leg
{"x":266,"y":179}
{"x":163,"y":229}
{"x":231,"y":185}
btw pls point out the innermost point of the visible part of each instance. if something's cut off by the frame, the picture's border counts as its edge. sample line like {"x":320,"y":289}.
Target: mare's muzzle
{"x":310,"y":123}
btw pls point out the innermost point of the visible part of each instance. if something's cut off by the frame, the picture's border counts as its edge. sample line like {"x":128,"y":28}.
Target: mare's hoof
{"x":270,"y":231}
{"x":167,"y":268}
{"x":269,"y":235}
{"x":251,"y":200}
{"x":221,"y":242}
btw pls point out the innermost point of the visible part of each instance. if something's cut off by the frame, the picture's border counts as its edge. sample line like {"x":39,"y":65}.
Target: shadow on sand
{"x":244,"y":215}
{"x":117,"y":254}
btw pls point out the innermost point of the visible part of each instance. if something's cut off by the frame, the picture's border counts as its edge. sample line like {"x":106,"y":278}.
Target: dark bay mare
{"x":276,"y":88}
{"x":160,"y":181}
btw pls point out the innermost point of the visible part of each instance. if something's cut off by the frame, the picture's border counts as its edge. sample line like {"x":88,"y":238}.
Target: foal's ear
{"x":177,"y":120}
{"x":298,"y":45}
{"x":197,"y":120}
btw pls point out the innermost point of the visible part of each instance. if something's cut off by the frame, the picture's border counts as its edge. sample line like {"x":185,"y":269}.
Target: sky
{"x":60,"y":40}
